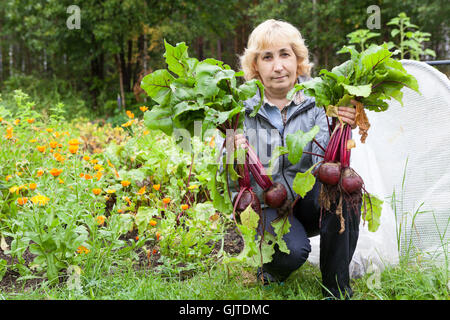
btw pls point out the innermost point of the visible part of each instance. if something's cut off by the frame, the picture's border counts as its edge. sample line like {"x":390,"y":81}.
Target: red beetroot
{"x":330,"y":173}
{"x":247,"y":198}
{"x":351,"y":182}
{"x":275,"y":196}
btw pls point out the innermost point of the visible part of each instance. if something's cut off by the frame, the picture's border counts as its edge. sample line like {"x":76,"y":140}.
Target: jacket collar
{"x":251,"y":103}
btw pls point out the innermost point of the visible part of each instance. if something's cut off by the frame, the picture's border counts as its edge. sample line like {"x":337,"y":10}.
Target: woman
{"x":277,"y":56}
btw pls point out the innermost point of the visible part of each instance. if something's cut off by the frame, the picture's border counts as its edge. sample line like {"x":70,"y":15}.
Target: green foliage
{"x":371,"y":76}
{"x":410,"y":40}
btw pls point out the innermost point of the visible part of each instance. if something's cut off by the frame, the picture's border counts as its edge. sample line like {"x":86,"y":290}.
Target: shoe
{"x":267,"y":278}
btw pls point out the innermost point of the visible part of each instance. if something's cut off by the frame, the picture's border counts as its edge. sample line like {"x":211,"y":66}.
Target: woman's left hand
{"x":348,"y":115}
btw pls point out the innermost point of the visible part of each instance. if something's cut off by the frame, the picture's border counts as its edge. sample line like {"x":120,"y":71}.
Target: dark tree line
{"x":119,"y":41}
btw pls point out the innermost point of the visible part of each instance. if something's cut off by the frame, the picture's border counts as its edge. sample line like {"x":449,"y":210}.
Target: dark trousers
{"x":336,"y":250}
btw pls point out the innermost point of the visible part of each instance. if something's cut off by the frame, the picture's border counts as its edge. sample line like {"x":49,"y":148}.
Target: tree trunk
{"x":119,"y":58}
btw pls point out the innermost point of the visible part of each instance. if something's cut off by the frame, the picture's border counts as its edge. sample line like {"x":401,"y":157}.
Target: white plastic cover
{"x":406,"y":154}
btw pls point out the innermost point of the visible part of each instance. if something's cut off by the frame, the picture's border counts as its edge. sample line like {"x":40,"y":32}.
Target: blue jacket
{"x":264,"y":134}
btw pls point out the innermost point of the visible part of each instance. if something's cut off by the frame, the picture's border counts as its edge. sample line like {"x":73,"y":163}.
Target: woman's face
{"x":277,"y":68}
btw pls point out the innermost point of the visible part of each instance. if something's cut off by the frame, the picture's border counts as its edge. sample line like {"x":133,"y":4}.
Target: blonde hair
{"x":272,"y":32}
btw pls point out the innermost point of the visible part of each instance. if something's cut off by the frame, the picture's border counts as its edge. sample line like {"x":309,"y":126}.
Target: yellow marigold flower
{"x":192,"y":187}
{"x":32,"y":140}
{"x":74,"y":142}
{"x":49,"y":130}
{"x":30,"y":120}
{"x":125,"y":183}
{"x":39,"y":173}
{"x":14,"y":189}
{"x":100,"y":220}
{"x":130,"y":114}
{"x":153,"y":222}
{"x":156,"y":187}
{"x":184,"y":207}
{"x":98,"y":167}
{"x":1,"y":119}
{"x":212,"y":142}
{"x":96,"y":191}
{"x":22,"y":201}
{"x":32,"y":186}
{"x":143,"y":108}
{"x":73,"y":149}
{"x":166,"y":200}
{"x":146,"y":132}
{"x":94,"y":161}
{"x":17,"y":121}
{"x":127,"y":124}
{"x":41,"y":148}
{"x":61,"y":181}
{"x":111,"y":191}
{"x":55,"y":172}
{"x":40,"y":199}
{"x":141,"y":190}
{"x":8,"y":177}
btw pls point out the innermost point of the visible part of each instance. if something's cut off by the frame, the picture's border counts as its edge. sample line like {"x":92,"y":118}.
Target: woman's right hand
{"x":240,"y":141}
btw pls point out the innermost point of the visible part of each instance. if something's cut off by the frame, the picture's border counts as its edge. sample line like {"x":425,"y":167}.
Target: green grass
{"x":412,"y":282}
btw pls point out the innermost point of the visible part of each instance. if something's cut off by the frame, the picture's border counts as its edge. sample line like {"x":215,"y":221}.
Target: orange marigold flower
{"x":30,"y":120}
{"x":55,"y":172}
{"x":32,"y":186}
{"x":8,"y":177}
{"x":98,"y":175}
{"x":9,"y":133}
{"x":153,"y":222}
{"x":156,"y":187}
{"x":39,"y":173}
{"x":86,"y":158}
{"x":146,"y":132}
{"x":83,"y":250}
{"x":22,"y":201}
{"x":87,"y":176}
{"x":53,"y":144}
{"x":100,"y":220}
{"x":40,"y":148}
{"x":73,"y":149}
{"x":125,"y":183}
{"x":184,"y":206}
{"x":141,"y":190}
{"x":96,"y":191}
{"x":130,"y":114}
{"x":166,"y":200}
{"x":158,"y":235}
{"x":17,"y":121}
{"x":143,"y":108}
{"x":49,"y":129}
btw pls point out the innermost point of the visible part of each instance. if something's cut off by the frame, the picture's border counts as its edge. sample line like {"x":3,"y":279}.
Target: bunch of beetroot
{"x":340,"y":183}
{"x":274,"y":196}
